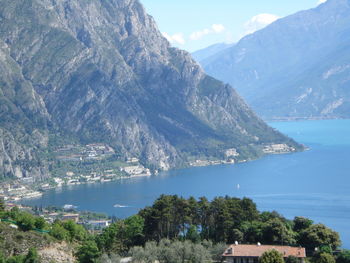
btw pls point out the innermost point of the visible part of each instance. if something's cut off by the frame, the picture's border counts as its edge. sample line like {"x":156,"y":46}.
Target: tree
{"x":88,"y":252}
{"x":253,"y":231}
{"x":344,"y":256}
{"x":40,"y":222}
{"x":324,"y":258}
{"x":276,"y":232}
{"x":235,"y":235}
{"x":192,"y":234}
{"x":122,"y":235}
{"x":301,"y":223}
{"x":134,"y":226}
{"x":76,"y":232}
{"x":25,"y":221}
{"x":271,"y":256}
{"x":319,"y":235}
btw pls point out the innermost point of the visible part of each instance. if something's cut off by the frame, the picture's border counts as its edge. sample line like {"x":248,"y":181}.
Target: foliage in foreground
{"x":31,"y":257}
{"x":175,"y":228}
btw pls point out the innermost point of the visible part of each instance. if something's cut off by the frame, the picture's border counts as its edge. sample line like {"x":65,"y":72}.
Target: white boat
{"x":120,"y":206}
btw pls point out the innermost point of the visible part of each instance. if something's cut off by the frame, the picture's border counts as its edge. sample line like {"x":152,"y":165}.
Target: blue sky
{"x":196,"y":24}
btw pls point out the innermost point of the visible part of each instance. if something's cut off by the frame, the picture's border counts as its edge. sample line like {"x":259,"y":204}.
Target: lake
{"x":314,"y":183}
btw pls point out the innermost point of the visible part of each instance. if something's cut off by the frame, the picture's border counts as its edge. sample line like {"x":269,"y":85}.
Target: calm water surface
{"x":314,"y":184}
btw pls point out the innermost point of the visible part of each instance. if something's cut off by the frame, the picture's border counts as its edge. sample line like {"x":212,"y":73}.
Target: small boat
{"x":69,"y":207}
{"x":120,"y":206}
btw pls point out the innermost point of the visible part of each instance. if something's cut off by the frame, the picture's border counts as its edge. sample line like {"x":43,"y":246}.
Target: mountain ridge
{"x":281,"y":58}
{"x":104,"y":73}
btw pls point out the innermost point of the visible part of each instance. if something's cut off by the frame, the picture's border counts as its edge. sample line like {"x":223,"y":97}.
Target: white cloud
{"x":177,"y":38}
{"x":218,"y":28}
{"x":321,"y":2}
{"x":214,"y":29}
{"x":259,"y":22}
{"x":199,"y":34}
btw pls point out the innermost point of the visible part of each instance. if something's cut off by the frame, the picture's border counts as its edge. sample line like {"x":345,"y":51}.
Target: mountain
{"x":296,"y":67}
{"x":210,"y":51}
{"x":101,"y":72}
{"x":23,"y":121}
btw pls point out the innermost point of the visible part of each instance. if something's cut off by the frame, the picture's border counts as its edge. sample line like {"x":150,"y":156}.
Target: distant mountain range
{"x":299,"y":66}
{"x":205,"y":53}
{"x":101,"y":72}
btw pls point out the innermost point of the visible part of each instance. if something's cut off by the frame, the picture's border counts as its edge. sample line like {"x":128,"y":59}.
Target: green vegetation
{"x":344,"y":257}
{"x":2,"y":205}
{"x":88,"y":252}
{"x":173,"y":229}
{"x":227,"y":219}
{"x":171,"y":252}
{"x":324,"y":258}
{"x":31,"y":257}
{"x":272,"y":256}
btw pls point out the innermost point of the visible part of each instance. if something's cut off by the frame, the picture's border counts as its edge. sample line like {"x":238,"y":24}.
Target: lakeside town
{"x":26,"y":188}
{"x":90,"y":220}
{"x":80,"y":165}
{"x":19,"y":189}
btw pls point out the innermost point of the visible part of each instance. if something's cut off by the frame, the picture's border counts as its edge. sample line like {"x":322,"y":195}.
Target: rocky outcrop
{"x":23,"y":119}
{"x":102,"y":72}
{"x":57,"y":252}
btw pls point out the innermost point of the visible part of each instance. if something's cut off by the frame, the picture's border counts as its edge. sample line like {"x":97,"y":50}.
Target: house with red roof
{"x":239,"y":253}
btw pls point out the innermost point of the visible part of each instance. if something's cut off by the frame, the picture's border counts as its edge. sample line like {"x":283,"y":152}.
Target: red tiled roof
{"x":258,"y":250}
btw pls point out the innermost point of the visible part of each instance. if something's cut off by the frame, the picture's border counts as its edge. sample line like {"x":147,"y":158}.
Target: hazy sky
{"x":195,"y":24}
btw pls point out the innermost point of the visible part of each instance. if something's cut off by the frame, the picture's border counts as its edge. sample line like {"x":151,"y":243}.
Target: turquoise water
{"x":314,"y":183}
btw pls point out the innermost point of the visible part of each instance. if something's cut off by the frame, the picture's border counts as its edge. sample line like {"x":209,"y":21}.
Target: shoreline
{"x":291,"y":119}
{"x":36,"y":192}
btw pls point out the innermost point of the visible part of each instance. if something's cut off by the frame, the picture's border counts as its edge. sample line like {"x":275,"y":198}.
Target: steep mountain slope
{"x":101,"y":71}
{"x":296,"y":67}
{"x":210,"y":51}
{"x":22,"y":122}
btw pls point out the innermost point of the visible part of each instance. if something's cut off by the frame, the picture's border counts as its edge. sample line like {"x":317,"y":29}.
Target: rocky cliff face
{"x":101,"y":70}
{"x":296,"y":67}
{"x":23,"y":119}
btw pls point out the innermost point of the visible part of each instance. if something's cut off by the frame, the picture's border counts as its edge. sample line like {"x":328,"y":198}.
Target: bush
{"x":88,"y":252}
{"x":59,"y":232}
{"x":25,"y":221}
{"x":271,"y":256}
{"x":32,"y":256}
{"x":40,"y":222}
{"x":76,"y":232}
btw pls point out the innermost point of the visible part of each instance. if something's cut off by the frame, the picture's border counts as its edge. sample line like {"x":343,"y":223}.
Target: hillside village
{"x":76,"y":165}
